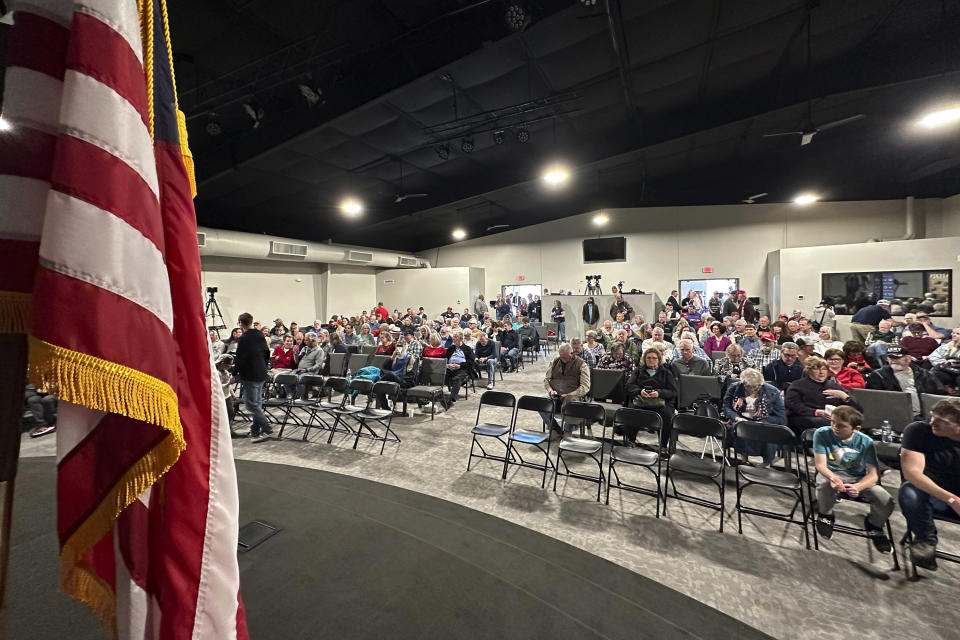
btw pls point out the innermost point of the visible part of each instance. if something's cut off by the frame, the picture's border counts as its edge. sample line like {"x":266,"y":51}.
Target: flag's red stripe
{"x":133,"y":537}
{"x":39,"y":44}
{"x":108,"y":326}
{"x":187,"y":484}
{"x":129,"y":198}
{"x":102,"y":53}
{"x":28,"y":154}
{"x":91,"y":469}
{"x":20,"y":258}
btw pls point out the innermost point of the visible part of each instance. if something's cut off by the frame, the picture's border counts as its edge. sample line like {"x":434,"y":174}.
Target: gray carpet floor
{"x":764,"y":578}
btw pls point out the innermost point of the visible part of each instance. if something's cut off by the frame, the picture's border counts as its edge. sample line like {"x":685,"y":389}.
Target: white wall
{"x":433,"y":289}
{"x":950,"y":216}
{"x":349,"y":290}
{"x":666,"y":244}
{"x":800,"y":269}
{"x":266,"y":289}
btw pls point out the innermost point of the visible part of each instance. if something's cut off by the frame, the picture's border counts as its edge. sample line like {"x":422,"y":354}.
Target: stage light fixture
{"x":517,"y":17}
{"x":588,"y":3}
{"x":805,"y":198}
{"x":459,"y":234}
{"x":940,"y":118}
{"x":213,"y":126}
{"x":523,"y":135}
{"x":498,"y":137}
{"x":466,"y":145}
{"x":5,"y":124}
{"x":351,"y":206}
{"x":600,"y":219}
{"x":255,"y":112}
{"x":555,"y":175}
{"x":443,"y":151}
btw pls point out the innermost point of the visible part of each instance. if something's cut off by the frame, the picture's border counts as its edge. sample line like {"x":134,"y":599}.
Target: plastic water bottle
{"x":349,"y":374}
{"x":886,"y":431}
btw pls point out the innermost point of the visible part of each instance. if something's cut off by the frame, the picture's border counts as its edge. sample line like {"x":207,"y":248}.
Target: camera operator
{"x":591,"y":315}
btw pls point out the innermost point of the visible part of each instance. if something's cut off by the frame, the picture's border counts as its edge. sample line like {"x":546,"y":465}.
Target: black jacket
{"x":883,"y":379}
{"x":534,"y":310}
{"x":780,"y":375}
{"x":509,"y":339}
{"x":470,"y":363}
{"x":252,"y":357}
{"x":591,"y":313}
{"x":662,"y":381}
{"x":805,"y":396}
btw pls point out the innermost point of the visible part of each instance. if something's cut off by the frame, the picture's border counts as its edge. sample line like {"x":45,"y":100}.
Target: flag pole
{"x":12,"y":381}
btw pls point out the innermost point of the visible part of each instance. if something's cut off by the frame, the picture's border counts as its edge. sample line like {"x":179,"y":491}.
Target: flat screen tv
{"x":605,"y":250}
{"x":907,"y":291}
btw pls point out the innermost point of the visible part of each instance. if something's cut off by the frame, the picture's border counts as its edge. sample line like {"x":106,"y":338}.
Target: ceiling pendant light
{"x":806,"y":198}
{"x":351,"y":206}
{"x":459,"y":234}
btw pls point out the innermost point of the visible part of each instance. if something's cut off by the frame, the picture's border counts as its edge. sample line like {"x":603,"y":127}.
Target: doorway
{"x":514,"y":292}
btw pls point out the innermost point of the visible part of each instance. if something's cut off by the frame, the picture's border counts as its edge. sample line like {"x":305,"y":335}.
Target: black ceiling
{"x":652,"y":102}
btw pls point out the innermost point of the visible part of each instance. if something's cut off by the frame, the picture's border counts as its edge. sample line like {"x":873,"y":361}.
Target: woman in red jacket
{"x":435,"y":350}
{"x":386,"y":346}
{"x":284,"y":355}
{"x":847,"y":376}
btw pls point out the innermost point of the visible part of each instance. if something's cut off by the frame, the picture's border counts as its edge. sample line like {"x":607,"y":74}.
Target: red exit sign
{"x":520,"y":277}
{"x":707,"y":269}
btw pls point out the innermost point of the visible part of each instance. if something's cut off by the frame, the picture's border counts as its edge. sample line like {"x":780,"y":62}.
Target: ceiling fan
{"x":498,"y":226}
{"x":809,"y":129}
{"x":752,"y":199}
{"x":400,"y":197}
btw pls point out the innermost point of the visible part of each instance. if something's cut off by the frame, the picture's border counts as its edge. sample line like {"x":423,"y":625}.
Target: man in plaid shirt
{"x":767,"y":352}
{"x":414,"y":347}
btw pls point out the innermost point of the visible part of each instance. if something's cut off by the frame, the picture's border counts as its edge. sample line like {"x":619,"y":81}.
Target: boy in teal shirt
{"x":846,"y":462}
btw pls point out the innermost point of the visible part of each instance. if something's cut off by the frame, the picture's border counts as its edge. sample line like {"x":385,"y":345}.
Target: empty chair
{"x":330,"y":385}
{"x":380,"y":417}
{"x":553,"y":333}
{"x":357,"y":361}
{"x":288,"y":406}
{"x":927,"y":402}
{"x":587,"y":413}
{"x":690,"y":464}
{"x":533,"y":437}
{"x":491,"y":429}
{"x":433,"y":371}
{"x":716,"y":355}
{"x":347,"y":410}
{"x":544,"y":336}
{"x":692,"y":388}
{"x":368,"y":349}
{"x":336,"y":364}
{"x":353,"y":348}
{"x":790,"y":481}
{"x":607,"y":385}
{"x":632,"y":421}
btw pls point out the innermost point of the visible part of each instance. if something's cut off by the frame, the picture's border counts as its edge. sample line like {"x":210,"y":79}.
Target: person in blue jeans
{"x":486,"y":358}
{"x":559,"y":316}
{"x":509,"y":347}
{"x":930,"y":462}
{"x":252,"y":358}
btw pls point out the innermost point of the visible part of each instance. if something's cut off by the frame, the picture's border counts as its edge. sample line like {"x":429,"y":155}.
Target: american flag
{"x":101,"y":270}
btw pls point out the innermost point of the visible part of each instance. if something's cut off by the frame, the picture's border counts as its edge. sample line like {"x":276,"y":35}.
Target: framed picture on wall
{"x":928,"y":290}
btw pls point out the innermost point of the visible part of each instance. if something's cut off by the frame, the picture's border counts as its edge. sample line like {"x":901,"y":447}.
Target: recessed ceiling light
{"x":600,"y":219}
{"x":459,"y":234}
{"x":351,"y":206}
{"x":5,"y":124}
{"x":806,"y":198}
{"x":940,"y":118}
{"x":555,"y":175}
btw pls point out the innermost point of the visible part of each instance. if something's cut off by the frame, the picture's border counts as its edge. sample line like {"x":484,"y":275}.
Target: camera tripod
{"x":592,"y":289}
{"x":212,"y":311}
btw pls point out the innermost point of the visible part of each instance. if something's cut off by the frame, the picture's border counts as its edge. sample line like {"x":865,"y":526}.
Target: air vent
{"x":359,"y":256}
{"x":288,"y":249}
{"x":409,"y":262}
{"x":201,"y":239}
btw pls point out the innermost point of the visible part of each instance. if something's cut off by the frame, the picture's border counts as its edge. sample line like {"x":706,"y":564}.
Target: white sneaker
{"x":490,"y":386}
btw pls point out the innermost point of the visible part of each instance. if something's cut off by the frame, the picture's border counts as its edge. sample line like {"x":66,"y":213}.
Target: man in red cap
{"x":767,"y":352}
{"x":745,"y":307}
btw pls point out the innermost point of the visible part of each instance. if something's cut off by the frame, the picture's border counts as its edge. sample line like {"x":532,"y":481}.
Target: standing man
{"x":591,"y":315}
{"x":716,"y":305}
{"x":502,"y":307}
{"x":251,"y":367}
{"x":745,"y":307}
{"x":480,"y":306}
{"x":674,"y":300}
{"x":381,"y":313}
{"x":620,"y":306}
{"x":868,"y":319}
{"x":535,"y":310}
{"x":930,"y":460}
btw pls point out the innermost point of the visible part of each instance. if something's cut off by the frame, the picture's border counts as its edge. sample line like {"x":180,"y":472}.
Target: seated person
{"x":918,"y":344}
{"x":807,"y":398}
{"x":687,"y":363}
{"x":470,"y":339}
{"x":767,"y":352}
{"x":629,"y":346}
{"x":855,"y":353}
{"x":366,"y":336}
{"x":578,"y":350}
{"x":901,"y":373}
{"x":385,"y":345}
{"x":509,"y":348}
{"x":529,"y":338}
{"x":436,"y":348}
{"x":717,"y":341}
{"x":43,"y":409}
{"x":652,"y":387}
{"x":739,"y":330}
{"x":607,"y":333}
{"x":804,"y":350}
{"x":618,"y":324}
{"x":567,"y":380}
{"x":946,"y":361}
{"x":593,"y":345}
{"x":697,"y":351}
{"x":311,"y":361}
{"x":617,"y":359}
{"x":846,"y":462}
{"x":849,"y":377}
{"x":486,"y":358}
{"x":732,"y":363}
{"x":780,"y":373}
{"x":752,"y":399}
{"x":750,"y":340}
{"x":826,"y":341}
{"x":224,"y":365}
{"x":350,"y":336}
{"x":805,"y":332}
{"x":930,"y":462}
{"x":461,"y":365}
{"x":336,"y":344}
{"x":880,"y":338}
{"x":657,"y":341}
{"x":284,"y":357}
{"x":402,"y":367}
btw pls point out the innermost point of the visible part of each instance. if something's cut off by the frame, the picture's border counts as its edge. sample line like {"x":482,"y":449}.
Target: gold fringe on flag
{"x":186,"y":153}
{"x":15,"y":312}
{"x":84,"y":585}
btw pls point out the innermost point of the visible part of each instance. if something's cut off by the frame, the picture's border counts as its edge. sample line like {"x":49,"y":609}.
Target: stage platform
{"x":360,"y":559}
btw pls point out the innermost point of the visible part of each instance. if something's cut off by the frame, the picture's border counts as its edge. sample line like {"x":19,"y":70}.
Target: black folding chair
{"x":380,"y":417}
{"x":530,"y":436}
{"x":692,"y":388}
{"x":378,"y":361}
{"x":433,"y":373}
{"x":586,"y":413}
{"x":352,"y":348}
{"x":355,"y":389}
{"x":607,"y":390}
{"x":806,"y":439}
{"x":368,"y":349}
{"x":492,"y":430}
{"x":357,"y":361}
{"x":544,"y":335}
{"x":910,"y":569}
{"x":330,"y":386}
{"x":689,"y":463}
{"x":290,"y":403}
{"x":789,"y":481}
{"x":641,"y":420}
{"x":336,"y":364}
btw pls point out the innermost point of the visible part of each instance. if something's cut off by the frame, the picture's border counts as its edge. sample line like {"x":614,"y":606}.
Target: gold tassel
{"x":81,"y":583}
{"x":15,"y":311}
{"x":185,"y":151}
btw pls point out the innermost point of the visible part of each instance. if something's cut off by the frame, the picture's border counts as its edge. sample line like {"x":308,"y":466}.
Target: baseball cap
{"x":449,"y":308}
{"x":884,"y":302}
{"x":766,"y":335}
{"x":896,"y":352}
{"x":740,"y":292}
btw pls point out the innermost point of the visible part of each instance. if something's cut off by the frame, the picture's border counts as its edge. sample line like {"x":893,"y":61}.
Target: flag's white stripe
{"x":74,"y":423}
{"x":94,"y":112}
{"x":59,"y":11}
{"x":22,"y":202}
{"x":216,"y":615}
{"x":121,"y":16}
{"x":85,"y":242}
{"x":145,"y":497}
{"x":132,"y":602}
{"x":31,"y":98}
